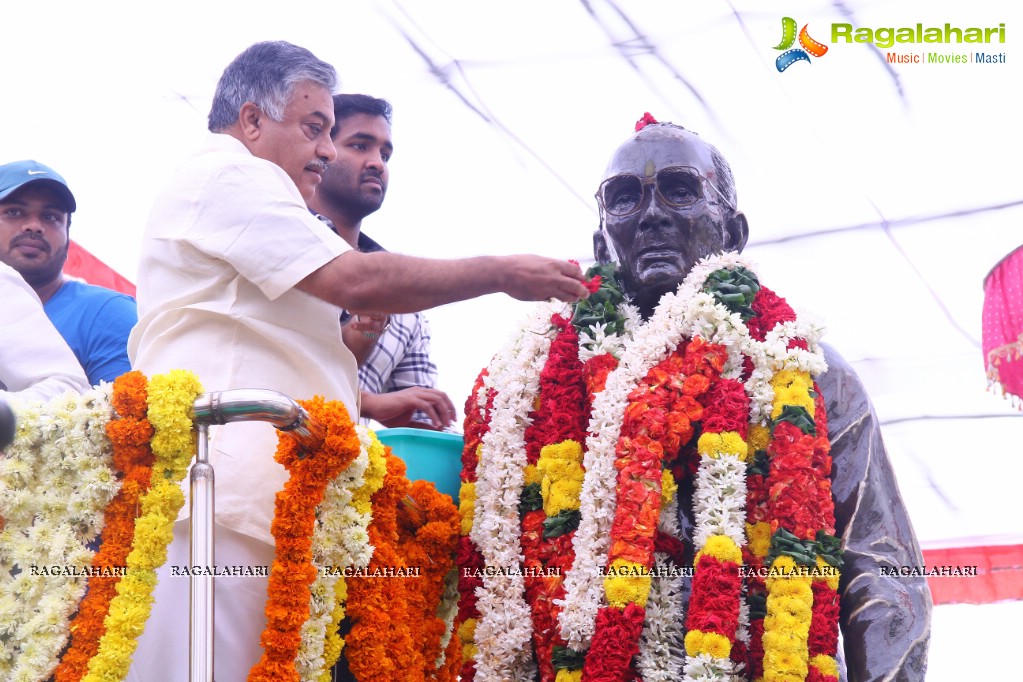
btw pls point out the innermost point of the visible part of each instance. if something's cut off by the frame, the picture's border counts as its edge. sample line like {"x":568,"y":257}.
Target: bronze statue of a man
{"x":656,"y":237}
{"x":686,"y":489}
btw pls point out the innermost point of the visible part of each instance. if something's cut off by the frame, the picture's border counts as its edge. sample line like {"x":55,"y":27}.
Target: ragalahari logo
{"x":808,"y":46}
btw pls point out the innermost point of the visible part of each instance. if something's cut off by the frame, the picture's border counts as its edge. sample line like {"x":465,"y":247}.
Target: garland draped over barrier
{"x":577,"y":437}
{"x":111,"y":462}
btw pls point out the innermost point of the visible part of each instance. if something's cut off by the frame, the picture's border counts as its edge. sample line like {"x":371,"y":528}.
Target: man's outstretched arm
{"x":393,"y":283}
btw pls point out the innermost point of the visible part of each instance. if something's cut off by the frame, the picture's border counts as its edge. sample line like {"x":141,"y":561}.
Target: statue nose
{"x":654,"y":215}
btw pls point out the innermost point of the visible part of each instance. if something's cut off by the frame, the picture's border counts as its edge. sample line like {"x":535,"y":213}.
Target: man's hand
{"x":362,"y":333}
{"x":536,"y":278}
{"x":395,"y":409}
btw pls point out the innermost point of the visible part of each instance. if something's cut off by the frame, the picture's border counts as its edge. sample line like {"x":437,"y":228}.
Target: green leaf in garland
{"x":797,"y":415}
{"x":735,"y":289}
{"x":759,"y":464}
{"x":829,"y":548}
{"x":563,"y":522}
{"x":785,"y":543}
{"x":757,"y":605}
{"x":564,"y":658}
{"x":601,"y":307}
{"x":531,"y":499}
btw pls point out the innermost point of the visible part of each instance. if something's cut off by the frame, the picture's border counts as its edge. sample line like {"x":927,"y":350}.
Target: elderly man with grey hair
{"x":241,"y":284}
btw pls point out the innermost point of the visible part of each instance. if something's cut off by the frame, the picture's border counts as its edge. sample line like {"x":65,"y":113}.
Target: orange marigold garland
{"x":660,"y":418}
{"x":133,"y":459}
{"x":287,"y":606}
{"x":427,"y":534}
{"x":379,"y":647}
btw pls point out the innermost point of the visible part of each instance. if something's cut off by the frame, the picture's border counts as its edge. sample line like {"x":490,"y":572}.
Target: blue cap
{"x":16,"y":175}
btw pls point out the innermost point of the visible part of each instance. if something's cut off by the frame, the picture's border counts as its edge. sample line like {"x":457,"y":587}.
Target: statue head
{"x":666,"y":202}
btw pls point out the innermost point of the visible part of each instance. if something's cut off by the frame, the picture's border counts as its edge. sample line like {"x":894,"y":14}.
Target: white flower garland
{"x":447,"y":611}
{"x":504,"y":628}
{"x":596,"y":341}
{"x":719,"y":500}
{"x":55,"y":481}
{"x":340,"y":540}
{"x":661,"y":644}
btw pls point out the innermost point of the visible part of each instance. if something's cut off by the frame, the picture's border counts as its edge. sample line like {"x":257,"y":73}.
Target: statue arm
{"x":885,"y":619}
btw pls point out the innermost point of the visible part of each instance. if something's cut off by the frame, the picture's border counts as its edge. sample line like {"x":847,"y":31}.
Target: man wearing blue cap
{"x":35,"y":219}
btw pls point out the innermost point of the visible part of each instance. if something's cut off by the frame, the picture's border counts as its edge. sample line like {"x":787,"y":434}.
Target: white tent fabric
{"x":879,"y":194}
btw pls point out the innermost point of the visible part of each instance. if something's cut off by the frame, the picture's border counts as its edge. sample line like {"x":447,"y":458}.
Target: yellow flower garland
{"x":789,"y":591}
{"x":561,"y":470}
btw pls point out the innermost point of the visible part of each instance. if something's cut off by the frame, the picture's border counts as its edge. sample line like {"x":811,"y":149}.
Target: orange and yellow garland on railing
{"x":170,"y":399}
{"x":129,"y":434}
{"x":61,"y":476}
{"x":293,"y":571}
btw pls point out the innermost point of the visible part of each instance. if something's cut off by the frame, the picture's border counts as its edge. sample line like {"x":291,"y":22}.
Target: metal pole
{"x":221,"y":408}
{"x":200,"y":651}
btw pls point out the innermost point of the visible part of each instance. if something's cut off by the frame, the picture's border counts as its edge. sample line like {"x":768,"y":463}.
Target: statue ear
{"x":600,"y":250}
{"x":736,"y":232}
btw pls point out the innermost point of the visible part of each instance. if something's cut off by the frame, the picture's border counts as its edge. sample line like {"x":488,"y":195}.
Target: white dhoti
{"x":238,"y":618}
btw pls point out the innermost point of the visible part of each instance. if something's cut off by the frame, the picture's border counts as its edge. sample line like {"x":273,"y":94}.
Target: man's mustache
{"x":376,"y":175}
{"x":36,"y":240}
{"x":317,"y":166}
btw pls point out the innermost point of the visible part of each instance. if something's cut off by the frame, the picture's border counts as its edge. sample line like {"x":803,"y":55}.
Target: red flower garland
{"x":558,"y":417}
{"x":658,"y":420}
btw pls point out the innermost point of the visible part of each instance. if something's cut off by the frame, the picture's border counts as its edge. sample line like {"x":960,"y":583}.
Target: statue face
{"x":673,"y":218}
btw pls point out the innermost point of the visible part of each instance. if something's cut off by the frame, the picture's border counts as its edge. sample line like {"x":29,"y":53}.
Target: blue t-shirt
{"x":95,"y":322}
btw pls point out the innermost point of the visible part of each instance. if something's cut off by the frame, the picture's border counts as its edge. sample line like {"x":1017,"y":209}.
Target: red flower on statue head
{"x":645,"y":121}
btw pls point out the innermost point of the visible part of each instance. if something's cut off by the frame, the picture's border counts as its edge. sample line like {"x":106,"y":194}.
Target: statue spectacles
{"x":677,"y":186}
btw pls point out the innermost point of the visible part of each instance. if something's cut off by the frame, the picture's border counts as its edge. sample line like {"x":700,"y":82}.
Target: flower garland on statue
{"x":722,"y":351}
{"x":581,"y":355}
{"x":170,"y":399}
{"x":478,"y":408}
{"x":56,"y":478}
{"x":504,"y":616}
{"x":550,"y":500}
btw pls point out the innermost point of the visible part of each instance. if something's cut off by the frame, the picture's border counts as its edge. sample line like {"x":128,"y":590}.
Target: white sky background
{"x":112,"y":95}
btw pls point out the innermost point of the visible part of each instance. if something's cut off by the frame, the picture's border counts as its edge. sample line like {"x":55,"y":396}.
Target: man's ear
{"x":736,"y":232}
{"x":249,"y":118}
{"x":600,"y":250}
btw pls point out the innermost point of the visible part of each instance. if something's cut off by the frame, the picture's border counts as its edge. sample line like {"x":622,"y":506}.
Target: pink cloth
{"x":1003,"y":323}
